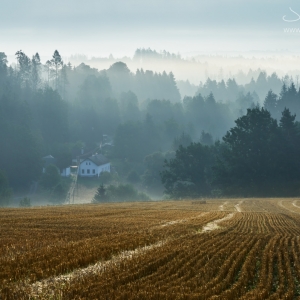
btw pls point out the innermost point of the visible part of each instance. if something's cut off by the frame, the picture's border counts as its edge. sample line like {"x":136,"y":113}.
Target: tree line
{"x":53,"y":108}
{"x":257,"y":157}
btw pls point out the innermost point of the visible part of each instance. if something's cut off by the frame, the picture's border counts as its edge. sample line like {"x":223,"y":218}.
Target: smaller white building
{"x":65,"y":172}
{"x":94,"y":166}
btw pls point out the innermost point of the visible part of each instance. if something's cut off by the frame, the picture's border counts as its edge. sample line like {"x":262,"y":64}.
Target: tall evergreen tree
{"x":100,"y":195}
{"x":57,"y":64}
{"x":35,"y":71}
{"x":24,"y":64}
{"x":270,"y":103}
{"x":289,"y":152}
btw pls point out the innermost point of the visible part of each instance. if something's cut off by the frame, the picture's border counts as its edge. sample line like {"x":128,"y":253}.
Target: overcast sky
{"x":98,"y":28}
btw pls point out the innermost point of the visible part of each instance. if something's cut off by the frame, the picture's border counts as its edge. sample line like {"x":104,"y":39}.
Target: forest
{"x":226,"y":139}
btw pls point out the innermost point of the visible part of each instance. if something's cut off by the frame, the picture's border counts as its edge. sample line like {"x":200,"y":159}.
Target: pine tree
{"x":270,"y":103}
{"x":35,"y":71}
{"x":100,"y":195}
{"x":57,"y":63}
{"x":24,"y":66}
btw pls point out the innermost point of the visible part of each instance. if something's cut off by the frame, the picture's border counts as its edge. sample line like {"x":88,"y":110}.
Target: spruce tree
{"x":100,"y":195}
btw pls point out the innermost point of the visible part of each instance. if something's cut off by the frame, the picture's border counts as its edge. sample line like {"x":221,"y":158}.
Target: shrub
{"x":121,"y":192}
{"x":100,"y":195}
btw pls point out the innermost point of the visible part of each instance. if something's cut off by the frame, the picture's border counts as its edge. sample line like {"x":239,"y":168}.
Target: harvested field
{"x":221,"y":249}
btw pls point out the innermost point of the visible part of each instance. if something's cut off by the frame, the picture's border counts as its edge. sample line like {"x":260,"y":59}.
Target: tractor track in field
{"x":47,"y":287}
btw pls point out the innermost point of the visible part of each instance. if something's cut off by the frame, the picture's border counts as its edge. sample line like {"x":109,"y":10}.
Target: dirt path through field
{"x":280,"y":203}
{"x":294,"y":203}
{"x":238,"y":206}
{"x":221,"y":207}
{"x":47,"y":287}
{"x":214,"y":225}
{"x":182,"y":220}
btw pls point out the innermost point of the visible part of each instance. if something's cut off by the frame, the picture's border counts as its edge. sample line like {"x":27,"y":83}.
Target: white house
{"x":93,"y":166}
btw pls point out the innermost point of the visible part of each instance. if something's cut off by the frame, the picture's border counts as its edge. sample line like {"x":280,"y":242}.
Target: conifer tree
{"x":100,"y":195}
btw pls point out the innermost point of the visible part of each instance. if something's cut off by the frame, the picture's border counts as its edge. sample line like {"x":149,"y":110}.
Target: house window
{"x":88,"y":171}
{"x":94,"y":171}
{"x":82,"y":171}
{"x":86,"y":163}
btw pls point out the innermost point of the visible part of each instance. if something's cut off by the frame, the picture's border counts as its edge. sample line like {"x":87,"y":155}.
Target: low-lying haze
{"x":98,"y":28}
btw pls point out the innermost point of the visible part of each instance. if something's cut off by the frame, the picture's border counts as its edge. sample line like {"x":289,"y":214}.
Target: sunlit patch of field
{"x":189,"y":249}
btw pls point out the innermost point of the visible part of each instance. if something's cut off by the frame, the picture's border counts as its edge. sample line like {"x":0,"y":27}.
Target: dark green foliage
{"x":51,"y":117}
{"x":248,"y":162}
{"x":128,"y":142}
{"x":100,"y":195}
{"x":187,"y":175}
{"x":289,"y":153}
{"x":160,"y":110}
{"x":144,"y":116}
{"x":208,"y":115}
{"x":245,"y":101}
{"x":51,"y":177}
{"x":183,"y":140}
{"x":62,"y":154}
{"x":151,"y":85}
{"x":5,"y":190}
{"x":129,"y":107}
{"x":125,"y":192}
{"x":206,"y":139}
{"x":259,"y":157}
{"x":230,"y":90}
{"x":118,"y":193}
{"x":24,"y":64}
{"x":35,"y":71}
{"x":56,"y":63}
{"x":270,"y":103}
{"x":154,"y":165}
{"x":94,"y":90}
{"x":134,"y":140}
{"x":20,"y":154}
{"x":171,"y":130}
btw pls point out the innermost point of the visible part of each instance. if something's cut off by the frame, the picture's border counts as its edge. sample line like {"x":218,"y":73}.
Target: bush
{"x":121,"y":192}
